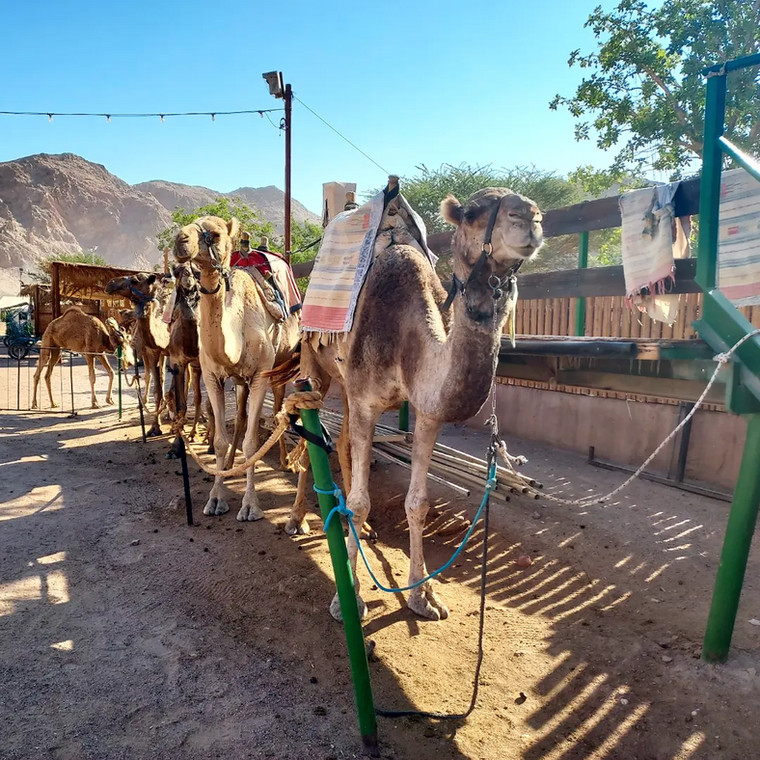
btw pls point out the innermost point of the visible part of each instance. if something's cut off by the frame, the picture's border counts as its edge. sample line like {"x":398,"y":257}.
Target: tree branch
{"x":680,"y":113}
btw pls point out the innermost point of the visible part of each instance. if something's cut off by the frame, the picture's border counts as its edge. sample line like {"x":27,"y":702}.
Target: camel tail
{"x":287,"y":371}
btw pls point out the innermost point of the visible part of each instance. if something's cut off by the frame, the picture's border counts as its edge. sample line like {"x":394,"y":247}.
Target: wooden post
{"x":55,"y":282}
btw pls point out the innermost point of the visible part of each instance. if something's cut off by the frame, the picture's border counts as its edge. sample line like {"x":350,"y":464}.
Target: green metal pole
{"x":709,"y":184}
{"x":403,"y":417}
{"x":736,"y":545}
{"x":580,"y":304}
{"x":344,"y":581}
{"x":118,"y":369}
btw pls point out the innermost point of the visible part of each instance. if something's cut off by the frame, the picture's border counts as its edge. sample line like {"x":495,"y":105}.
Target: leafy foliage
{"x":250,"y":220}
{"x":645,"y":90}
{"x":426,"y":190}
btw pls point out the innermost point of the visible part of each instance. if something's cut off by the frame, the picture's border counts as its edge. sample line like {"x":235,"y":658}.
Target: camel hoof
{"x":53,"y":405}
{"x":249,"y":513}
{"x":295,"y":527}
{"x":95,"y":405}
{"x":110,"y":401}
{"x":335,"y":610}
{"x":34,"y":405}
{"x":423,"y":601}
{"x":155,"y":430}
{"x":216,"y":506}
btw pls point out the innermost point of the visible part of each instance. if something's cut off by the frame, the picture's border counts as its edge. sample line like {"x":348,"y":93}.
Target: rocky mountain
{"x":63,"y":203}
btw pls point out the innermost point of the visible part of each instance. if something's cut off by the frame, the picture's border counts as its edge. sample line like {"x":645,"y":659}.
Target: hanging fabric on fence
{"x":739,"y":238}
{"x":652,"y":237}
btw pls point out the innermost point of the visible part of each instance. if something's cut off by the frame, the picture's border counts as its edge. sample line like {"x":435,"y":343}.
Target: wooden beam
{"x":597,"y":281}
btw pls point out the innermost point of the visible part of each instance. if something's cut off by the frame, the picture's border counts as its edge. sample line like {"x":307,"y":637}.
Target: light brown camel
{"x":149,"y":292}
{"x":239,"y":338}
{"x":84,"y":334}
{"x":407,"y":343}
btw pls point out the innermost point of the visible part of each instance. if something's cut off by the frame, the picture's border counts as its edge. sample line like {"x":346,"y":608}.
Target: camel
{"x":183,"y":344}
{"x":84,"y":334}
{"x":409,"y":341}
{"x":239,"y":338}
{"x":149,"y":293}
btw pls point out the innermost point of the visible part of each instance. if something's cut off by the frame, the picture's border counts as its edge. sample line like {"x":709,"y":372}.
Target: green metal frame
{"x":580,"y":304}
{"x":721,"y":326}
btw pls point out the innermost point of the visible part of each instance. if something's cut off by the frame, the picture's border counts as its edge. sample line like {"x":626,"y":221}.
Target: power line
{"x":161,"y":116}
{"x":341,"y":135}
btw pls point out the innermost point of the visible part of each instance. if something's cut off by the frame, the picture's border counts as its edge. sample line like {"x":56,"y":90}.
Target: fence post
{"x":344,"y":581}
{"x":118,"y":368}
{"x":580,"y":304}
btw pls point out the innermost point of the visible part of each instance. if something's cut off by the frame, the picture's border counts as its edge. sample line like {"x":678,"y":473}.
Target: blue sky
{"x":408,"y":83}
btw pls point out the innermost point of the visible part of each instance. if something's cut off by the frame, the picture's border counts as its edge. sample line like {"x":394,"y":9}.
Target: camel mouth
{"x":524,"y":251}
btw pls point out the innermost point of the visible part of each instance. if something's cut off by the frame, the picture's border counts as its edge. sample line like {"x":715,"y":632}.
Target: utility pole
{"x":284,"y":91}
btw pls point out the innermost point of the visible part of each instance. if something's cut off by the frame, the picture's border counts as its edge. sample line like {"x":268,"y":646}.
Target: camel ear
{"x":233,"y":228}
{"x":452,"y":210}
{"x":151,"y":279}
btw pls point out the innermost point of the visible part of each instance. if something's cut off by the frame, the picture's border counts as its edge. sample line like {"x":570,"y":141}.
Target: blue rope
{"x":342,"y":509}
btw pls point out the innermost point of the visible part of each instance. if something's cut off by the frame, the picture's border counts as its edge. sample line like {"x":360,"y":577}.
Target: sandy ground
{"x":127,"y":634}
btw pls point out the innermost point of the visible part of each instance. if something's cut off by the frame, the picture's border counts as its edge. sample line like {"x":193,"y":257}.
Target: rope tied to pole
{"x":294,"y":402}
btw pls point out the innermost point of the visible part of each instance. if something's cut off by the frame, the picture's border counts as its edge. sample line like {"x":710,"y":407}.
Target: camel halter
{"x":501,"y":287}
{"x":142,"y":300}
{"x":208,"y":239}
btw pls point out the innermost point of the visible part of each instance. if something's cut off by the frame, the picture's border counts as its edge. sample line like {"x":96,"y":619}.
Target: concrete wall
{"x":624,"y":432}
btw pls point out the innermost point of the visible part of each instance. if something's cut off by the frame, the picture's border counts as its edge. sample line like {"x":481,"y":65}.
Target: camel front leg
{"x":422,"y":599}
{"x":91,"y":372}
{"x":195,"y":379}
{"x":216,"y":505}
{"x":55,"y":355}
{"x":158,"y":394}
{"x":42,"y":362}
{"x":361,"y":428}
{"x":297,"y":522}
{"x":107,"y":366}
{"x":256,"y":392}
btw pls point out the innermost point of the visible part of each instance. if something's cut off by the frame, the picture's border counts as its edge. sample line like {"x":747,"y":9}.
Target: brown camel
{"x":149,"y":293}
{"x":408,"y":343}
{"x":239,"y":338}
{"x":84,"y":334}
{"x":183,"y":344}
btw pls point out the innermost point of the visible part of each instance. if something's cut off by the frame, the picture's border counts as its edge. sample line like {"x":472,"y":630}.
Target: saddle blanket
{"x":343,"y":260}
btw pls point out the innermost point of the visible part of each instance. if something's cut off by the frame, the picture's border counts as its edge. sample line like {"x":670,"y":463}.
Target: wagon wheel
{"x":18,"y":351}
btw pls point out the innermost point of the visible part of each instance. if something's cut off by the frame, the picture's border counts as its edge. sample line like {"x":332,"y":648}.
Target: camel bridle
{"x":141,"y":300}
{"x":208,"y":240}
{"x":501,"y":287}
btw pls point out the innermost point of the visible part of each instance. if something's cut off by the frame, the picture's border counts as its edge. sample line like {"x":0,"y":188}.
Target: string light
{"x":162,"y":116}
{"x":108,"y":118}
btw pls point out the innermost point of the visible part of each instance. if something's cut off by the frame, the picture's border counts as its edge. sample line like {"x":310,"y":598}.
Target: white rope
{"x":588,"y":500}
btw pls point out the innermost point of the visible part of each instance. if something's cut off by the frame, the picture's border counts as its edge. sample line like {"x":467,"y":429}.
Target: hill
{"x":65,"y":204}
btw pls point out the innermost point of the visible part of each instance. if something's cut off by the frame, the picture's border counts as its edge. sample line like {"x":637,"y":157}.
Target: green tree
{"x":645,"y":92}
{"x":426,"y":190}
{"x":250,"y":220}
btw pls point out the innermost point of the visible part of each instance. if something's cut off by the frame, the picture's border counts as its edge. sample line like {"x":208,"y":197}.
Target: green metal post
{"x":118,"y":369}
{"x":580,"y":304}
{"x":736,"y":545}
{"x":403,"y":417}
{"x":344,"y":581}
{"x":709,"y":184}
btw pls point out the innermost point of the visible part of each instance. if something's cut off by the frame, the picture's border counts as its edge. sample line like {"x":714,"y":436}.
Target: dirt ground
{"x":127,"y":634}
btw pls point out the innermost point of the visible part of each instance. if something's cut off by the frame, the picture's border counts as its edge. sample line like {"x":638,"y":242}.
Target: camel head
{"x":141,"y":288}
{"x":119,"y":337}
{"x":207,"y":242}
{"x":188,"y":287}
{"x":516,"y":233}
{"x":497,"y":230}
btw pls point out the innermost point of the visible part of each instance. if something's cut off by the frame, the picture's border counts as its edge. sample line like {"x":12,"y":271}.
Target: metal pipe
{"x":736,"y":545}
{"x":118,"y":369}
{"x":344,"y":581}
